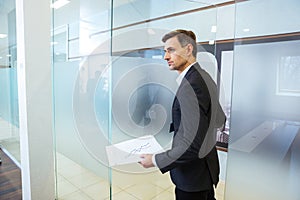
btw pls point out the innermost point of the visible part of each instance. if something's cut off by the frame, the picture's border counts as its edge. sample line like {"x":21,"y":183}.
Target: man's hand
{"x":146,"y":161}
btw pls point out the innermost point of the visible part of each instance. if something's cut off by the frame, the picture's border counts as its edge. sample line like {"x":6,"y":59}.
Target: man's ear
{"x":190,"y":49}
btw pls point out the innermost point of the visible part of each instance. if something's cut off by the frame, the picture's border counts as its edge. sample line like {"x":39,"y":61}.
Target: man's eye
{"x":171,"y":50}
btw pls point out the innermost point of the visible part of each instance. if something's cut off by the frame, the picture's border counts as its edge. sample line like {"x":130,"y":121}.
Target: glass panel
{"x":81,"y":98}
{"x":137,"y":11}
{"x":9,"y":110}
{"x":263,"y":160}
{"x":111,"y":84}
{"x":143,"y":87}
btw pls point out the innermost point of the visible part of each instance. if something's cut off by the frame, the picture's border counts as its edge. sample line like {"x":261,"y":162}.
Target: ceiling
{"x":88,"y":10}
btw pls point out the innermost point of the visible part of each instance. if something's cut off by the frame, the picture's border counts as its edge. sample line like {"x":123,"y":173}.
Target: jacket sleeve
{"x":192,"y":107}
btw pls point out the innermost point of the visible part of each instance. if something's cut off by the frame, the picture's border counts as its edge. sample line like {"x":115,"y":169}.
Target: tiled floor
{"x":75,"y":182}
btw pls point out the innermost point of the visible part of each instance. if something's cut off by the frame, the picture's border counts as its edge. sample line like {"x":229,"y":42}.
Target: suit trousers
{"x":201,"y":195}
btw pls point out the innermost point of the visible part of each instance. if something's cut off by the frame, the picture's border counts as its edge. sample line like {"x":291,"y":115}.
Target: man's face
{"x":175,"y":54}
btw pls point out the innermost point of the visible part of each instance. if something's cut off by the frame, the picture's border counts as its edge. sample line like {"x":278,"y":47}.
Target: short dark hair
{"x":184,"y":37}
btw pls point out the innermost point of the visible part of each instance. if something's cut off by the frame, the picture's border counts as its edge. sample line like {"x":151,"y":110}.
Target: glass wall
{"x":263,"y":158}
{"x":111,"y":84}
{"x":143,"y":87}
{"x":9,"y":112}
{"x":81,"y":130}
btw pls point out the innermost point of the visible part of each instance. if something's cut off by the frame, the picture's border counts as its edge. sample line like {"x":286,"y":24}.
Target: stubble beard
{"x":179,"y":67}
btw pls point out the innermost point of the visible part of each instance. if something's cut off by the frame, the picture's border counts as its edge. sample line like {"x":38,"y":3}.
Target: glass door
{"x":81,"y":52}
{"x":263,"y":154}
{"x":9,"y":111}
{"x":111,"y":84}
{"x":10,"y":159}
{"x":143,"y":87}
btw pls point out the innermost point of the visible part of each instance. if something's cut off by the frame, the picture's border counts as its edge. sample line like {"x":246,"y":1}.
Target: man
{"x":196,"y":113}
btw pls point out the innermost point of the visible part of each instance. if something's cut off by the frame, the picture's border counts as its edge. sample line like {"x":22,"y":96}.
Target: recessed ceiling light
{"x":211,"y":42}
{"x":246,"y":29}
{"x":151,"y":31}
{"x":59,"y":3}
{"x":2,"y":35}
{"x":213,"y":29}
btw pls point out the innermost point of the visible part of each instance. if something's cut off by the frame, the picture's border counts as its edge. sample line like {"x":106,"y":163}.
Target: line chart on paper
{"x":129,"y":151}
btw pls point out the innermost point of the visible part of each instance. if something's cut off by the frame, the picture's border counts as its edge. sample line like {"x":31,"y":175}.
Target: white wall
{"x":35,"y":99}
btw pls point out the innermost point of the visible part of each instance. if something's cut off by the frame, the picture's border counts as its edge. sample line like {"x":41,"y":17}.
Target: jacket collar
{"x":183,"y":73}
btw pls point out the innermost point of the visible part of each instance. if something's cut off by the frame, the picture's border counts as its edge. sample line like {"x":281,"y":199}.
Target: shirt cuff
{"x":153,"y":160}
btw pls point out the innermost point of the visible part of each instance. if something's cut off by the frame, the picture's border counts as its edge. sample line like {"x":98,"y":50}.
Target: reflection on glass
{"x":59,"y":44}
{"x":143,"y":87}
{"x":288,"y":76}
{"x":143,"y":99}
{"x":112,"y":85}
{"x":9,"y":110}
{"x":80,"y":91}
{"x":265,"y":120}
{"x":142,"y":94}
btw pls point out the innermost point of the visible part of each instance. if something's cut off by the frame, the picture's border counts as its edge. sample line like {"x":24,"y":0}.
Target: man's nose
{"x":167,"y":56}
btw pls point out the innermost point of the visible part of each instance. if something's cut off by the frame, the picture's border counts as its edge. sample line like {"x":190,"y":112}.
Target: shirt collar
{"x":183,"y":73}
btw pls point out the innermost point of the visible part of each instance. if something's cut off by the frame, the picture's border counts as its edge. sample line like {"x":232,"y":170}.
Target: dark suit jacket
{"x":193,"y":161}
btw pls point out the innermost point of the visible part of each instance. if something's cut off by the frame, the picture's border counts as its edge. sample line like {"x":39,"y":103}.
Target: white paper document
{"x":129,"y":151}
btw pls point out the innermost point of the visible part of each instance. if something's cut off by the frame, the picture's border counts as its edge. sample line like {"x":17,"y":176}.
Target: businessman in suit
{"x":196,"y":114}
